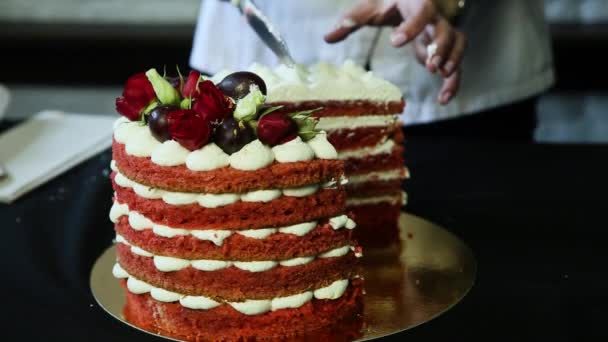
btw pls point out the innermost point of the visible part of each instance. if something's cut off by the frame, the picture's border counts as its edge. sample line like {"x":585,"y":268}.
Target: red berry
{"x":136,"y":96}
{"x":190,"y":84}
{"x":276,"y":128}
{"x":188,"y":128}
{"x":211,"y":103}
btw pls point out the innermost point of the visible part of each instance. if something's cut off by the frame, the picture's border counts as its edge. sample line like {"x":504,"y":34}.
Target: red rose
{"x":276,"y":128}
{"x":138,"y":95}
{"x":189,"y":89}
{"x":188,"y":128}
{"x":211,"y":103}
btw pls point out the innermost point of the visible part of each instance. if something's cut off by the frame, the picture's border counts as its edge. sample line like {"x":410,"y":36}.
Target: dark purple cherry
{"x":158,"y":124}
{"x":237,"y":84}
{"x":231,"y":135}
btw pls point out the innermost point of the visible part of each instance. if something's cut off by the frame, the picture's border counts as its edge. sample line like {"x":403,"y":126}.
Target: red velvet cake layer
{"x":377,"y":224}
{"x":227,"y":179}
{"x":278,"y":246}
{"x":348,"y":139}
{"x":379,"y":162}
{"x":374,"y":188}
{"x":233,"y":284}
{"x":318,"y":320}
{"x":283,"y":211}
{"x":342,"y":108}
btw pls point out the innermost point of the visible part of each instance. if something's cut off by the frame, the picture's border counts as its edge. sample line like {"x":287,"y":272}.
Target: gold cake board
{"x":406,"y":285}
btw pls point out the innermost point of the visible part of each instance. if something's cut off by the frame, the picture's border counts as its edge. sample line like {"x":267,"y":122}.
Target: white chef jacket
{"x":508,"y":57}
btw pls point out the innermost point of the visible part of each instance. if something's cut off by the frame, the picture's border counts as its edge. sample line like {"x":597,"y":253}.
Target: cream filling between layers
{"x":139,"y":222}
{"x":332,"y":123}
{"x":139,"y":142}
{"x":171,"y":264}
{"x":399,"y":173}
{"x":248,"y":307}
{"x":391,"y":199}
{"x":385,"y":147}
{"x":210,"y":200}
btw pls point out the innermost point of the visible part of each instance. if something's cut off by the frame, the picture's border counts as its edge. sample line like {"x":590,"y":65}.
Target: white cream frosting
{"x":218,"y":236}
{"x":342,"y":221}
{"x":210,"y":200}
{"x":398,"y":173}
{"x":333,"y":291}
{"x":336,"y":252}
{"x":294,"y":150}
{"x":261,"y":195}
{"x":294,"y":301}
{"x":299,"y":229}
{"x":258,"y":233}
{"x":198,"y":302}
{"x":217,"y":200}
{"x":391,"y":199}
{"x":171,"y":264}
{"x":302,"y":191}
{"x":322,"y":148}
{"x":252,"y":306}
{"x":119,"y":272}
{"x":252,"y":156}
{"x":248,"y":307}
{"x":384,"y":147}
{"x":169,"y":153}
{"x":117,"y":211}
{"x":141,"y":143}
{"x":163,"y":295}
{"x":255,"y":155}
{"x":332,"y":123}
{"x":164,"y":231}
{"x":215,"y":236}
{"x":209,"y":157}
{"x":322,"y":82}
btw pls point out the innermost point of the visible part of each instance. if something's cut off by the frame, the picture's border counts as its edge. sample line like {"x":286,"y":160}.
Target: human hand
{"x":438,"y":45}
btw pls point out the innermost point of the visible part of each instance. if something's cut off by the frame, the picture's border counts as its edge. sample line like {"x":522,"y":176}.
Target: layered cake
{"x":359,"y":111}
{"x":230,"y":212}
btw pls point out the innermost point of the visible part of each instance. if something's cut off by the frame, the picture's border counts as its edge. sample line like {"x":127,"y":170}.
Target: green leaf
{"x":247,"y":107}
{"x":181,"y":77}
{"x":186,"y":103}
{"x":269,"y":110}
{"x":150,"y":107}
{"x":306,"y":123}
{"x":162,"y":88}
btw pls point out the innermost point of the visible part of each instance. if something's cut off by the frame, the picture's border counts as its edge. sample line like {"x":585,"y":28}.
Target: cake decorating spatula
{"x":262,"y":26}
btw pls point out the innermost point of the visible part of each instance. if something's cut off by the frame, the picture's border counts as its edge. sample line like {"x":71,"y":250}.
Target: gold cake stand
{"x":406,"y":285}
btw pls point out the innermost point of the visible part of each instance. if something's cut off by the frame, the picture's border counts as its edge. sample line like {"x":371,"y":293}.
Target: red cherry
{"x":188,"y":128}
{"x":276,"y":128}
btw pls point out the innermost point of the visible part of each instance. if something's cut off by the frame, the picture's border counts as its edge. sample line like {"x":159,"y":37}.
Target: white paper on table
{"x":48,"y":144}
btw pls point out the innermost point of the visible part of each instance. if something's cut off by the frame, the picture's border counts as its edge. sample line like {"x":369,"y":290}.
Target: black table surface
{"x":533,"y":215}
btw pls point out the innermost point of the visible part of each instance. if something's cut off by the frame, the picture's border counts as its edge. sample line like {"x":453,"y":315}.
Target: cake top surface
{"x":209,"y":125}
{"x":322,"y":82}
